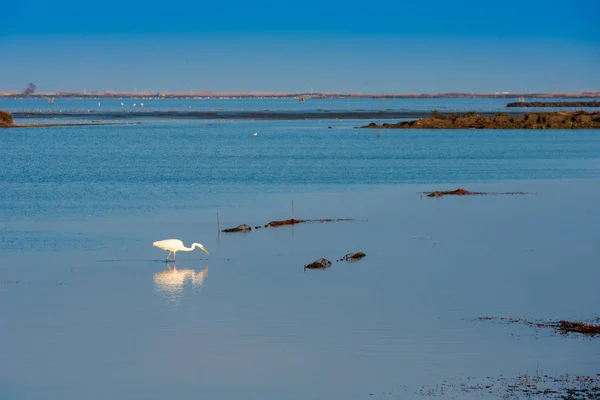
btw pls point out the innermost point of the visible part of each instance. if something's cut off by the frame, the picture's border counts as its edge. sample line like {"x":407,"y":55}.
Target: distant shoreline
{"x":292,"y":95}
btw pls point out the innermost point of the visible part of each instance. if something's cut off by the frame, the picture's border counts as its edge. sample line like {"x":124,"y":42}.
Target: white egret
{"x":175,"y":245}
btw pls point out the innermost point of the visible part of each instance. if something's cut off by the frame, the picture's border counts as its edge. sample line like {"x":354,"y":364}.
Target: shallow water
{"x":78,"y":172}
{"x":90,"y":310}
{"x":233,"y":104}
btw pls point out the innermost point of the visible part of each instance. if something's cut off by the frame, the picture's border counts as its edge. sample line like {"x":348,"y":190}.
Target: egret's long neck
{"x":194,"y":245}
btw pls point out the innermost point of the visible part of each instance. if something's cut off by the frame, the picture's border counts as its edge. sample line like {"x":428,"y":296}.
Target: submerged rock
{"x":565,"y":327}
{"x":457,"y":192}
{"x":463,"y":192}
{"x":353,"y":256}
{"x":286,"y":222}
{"x":321,"y":263}
{"x":240,"y":228}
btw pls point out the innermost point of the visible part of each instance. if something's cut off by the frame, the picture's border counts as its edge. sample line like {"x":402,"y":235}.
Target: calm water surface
{"x":149,"y":104}
{"x":90,"y":310}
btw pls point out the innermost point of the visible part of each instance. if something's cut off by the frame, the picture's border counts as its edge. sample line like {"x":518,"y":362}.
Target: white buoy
{"x":98,"y":104}
{"x":255,"y":134}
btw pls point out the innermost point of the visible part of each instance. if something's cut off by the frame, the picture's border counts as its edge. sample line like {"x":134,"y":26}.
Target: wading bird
{"x":175,"y":245}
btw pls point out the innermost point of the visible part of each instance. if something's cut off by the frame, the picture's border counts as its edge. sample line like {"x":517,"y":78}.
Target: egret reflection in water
{"x":171,"y":282}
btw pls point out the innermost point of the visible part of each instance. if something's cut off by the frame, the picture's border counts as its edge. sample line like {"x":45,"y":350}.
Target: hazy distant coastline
{"x":292,"y":95}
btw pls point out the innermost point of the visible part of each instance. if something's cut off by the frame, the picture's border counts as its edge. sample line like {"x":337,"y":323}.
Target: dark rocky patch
{"x":331,"y":220}
{"x":353,"y":256}
{"x":321,"y":263}
{"x":457,"y":192}
{"x":285,"y":222}
{"x":239,"y":228}
{"x":463,"y":192}
{"x":566,"y":327}
{"x":472,"y":120}
{"x":303,"y":221}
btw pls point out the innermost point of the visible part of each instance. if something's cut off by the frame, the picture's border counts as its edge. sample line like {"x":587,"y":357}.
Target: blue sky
{"x":377,"y":46}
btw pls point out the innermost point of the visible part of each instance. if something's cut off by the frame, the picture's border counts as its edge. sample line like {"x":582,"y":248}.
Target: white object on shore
{"x":175,"y":245}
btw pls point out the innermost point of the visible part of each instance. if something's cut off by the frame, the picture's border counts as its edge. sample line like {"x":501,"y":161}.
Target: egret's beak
{"x":204,"y":250}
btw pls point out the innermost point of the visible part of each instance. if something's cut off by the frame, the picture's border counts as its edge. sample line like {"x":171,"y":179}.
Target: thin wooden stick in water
{"x":218,"y":226}
{"x":292,"y":209}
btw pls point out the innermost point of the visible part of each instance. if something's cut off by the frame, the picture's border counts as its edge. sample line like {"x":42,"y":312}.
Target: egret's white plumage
{"x":175,"y":245}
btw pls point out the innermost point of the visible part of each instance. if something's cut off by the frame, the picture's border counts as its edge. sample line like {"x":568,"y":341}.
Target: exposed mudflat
{"x":473,"y":120}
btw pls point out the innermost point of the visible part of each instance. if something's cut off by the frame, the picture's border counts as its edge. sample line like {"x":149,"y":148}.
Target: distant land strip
{"x":259,"y":115}
{"x":555,"y":104}
{"x":292,"y":95}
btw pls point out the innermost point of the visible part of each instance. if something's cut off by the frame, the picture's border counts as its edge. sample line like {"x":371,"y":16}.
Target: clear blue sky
{"x":367,"y":46}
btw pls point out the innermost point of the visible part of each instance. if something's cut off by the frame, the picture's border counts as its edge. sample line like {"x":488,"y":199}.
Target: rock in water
{"x":354,"y":256}
{"x":457,"y":192}
{"x":286,"y":222}
{"x":240,"y":228}
{"x":321,"y":263}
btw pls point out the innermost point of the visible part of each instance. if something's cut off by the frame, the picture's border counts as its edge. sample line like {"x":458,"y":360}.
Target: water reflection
{"x":170,"y":283}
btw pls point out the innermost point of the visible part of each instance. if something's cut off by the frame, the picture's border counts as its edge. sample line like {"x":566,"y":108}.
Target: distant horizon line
{"x":317,"y":95}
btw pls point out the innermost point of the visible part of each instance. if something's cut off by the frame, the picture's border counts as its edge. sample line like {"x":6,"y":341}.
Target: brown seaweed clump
{"x":463,"y":192}
{"x":457,"y":192}
{"x":562,"y":327}
{"x":303,"y":221}
{"x":566,"y":327}
{"x":239,"y":228}
{"x":353,"y":256}
{"x":285,"y":222}
{"x":321,"y":263}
